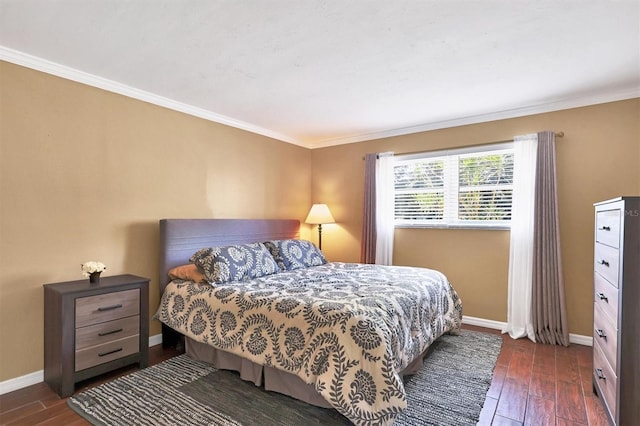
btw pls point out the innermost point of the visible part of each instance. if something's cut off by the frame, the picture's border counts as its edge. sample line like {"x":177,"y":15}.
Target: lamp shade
{"x":319,"y":214}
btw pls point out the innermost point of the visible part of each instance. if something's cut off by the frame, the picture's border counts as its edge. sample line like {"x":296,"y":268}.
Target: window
{"x":456,"y":188}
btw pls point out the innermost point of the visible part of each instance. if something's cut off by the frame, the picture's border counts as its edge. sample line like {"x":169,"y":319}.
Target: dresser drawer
{"x":106,"y":307}
{"x":606,"y":335}
{"x":606,"y":297}
{"x":606,"y":379}
{"x":608,"y":227}
{"x":106,"y":352}
{"x":107,"y":331}
{"x":606,"y":262}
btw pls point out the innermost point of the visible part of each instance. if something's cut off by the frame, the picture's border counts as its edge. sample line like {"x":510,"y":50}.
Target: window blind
{"x":467,"y":187}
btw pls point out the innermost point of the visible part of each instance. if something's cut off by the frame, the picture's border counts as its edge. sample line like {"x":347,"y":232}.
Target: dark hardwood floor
{"x":532,"y":385}
{"x":537,"y":384}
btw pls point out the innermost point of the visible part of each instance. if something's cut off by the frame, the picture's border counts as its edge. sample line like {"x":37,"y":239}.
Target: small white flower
{"x":89,"y":268}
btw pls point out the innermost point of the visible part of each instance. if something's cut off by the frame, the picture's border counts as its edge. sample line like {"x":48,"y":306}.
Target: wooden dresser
{"x":616,"y":315}
{"x":90,"y":329}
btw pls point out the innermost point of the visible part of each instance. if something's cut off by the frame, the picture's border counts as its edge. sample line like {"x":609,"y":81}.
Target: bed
{"x":333,"y":334}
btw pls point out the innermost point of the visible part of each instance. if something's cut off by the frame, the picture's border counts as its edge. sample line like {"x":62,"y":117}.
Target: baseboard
{"x":576,"y":339}
{"x":579,"y":339}
{"x":38,"y":376}
{"x":155,"y":340}
{"x":21,"y":382}
{"x":481,"y":322}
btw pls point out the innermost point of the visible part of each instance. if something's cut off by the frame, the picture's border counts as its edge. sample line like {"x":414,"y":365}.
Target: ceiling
{"x":319,"y":73}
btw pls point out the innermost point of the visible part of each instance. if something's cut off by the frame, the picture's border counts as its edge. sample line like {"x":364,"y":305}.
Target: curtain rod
{"x":558,"y":135}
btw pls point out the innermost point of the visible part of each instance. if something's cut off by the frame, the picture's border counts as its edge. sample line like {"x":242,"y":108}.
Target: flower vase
{"x":94,"y":277}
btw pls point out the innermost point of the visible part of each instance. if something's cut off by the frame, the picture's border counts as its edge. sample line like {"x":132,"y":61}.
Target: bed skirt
{"x":272,"y":379}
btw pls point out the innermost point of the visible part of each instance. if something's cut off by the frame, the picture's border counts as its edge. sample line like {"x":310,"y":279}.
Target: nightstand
{"x":90,"y":329}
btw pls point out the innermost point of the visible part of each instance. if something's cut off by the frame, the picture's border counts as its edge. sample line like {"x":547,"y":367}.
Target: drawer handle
{"x":604,"y":262}
{"x":106,"y":333}
{"x":602,"y":296}
{"x":601,"y":334}
{"x":110,"y":308}
{"x":605,"y":228}
{"x":600,"y":374}
{"x":110,"y":352}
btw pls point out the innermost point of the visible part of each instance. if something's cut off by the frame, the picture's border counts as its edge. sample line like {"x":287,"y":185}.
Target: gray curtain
{"x":369,"y":235}
{"x":549,"y":313}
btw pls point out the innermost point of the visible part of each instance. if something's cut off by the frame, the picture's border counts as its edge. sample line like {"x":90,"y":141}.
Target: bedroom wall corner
{"x":597,"y":159}
{"x":86,"y":174}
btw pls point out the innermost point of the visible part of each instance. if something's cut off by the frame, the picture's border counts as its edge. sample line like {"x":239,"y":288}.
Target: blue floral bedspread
{"x":346,"y":328}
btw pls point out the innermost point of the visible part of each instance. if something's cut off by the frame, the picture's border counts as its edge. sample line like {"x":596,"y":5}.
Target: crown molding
{"x":40,"y":64}
{"x":559,"y":105}
{"x":46,"y":66}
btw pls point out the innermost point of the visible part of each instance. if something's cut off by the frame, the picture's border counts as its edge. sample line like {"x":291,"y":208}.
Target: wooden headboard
{"x":180,"y":238}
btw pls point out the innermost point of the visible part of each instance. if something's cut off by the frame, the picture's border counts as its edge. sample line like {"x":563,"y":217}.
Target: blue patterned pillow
{"x":295,"y":254}
{"x":234,"y":263}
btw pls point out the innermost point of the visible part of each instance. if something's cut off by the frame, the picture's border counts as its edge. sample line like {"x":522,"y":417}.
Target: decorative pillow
{"x":234,"y":263}
{"x":188,"y":273}
{"x":295,"y":254}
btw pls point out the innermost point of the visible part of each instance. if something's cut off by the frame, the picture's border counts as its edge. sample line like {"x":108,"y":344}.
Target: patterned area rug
{"x":449,"y":390}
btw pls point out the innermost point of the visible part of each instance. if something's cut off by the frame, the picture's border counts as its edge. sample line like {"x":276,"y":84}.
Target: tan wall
{"x":597,"y":159}
{"x":86,"y":175}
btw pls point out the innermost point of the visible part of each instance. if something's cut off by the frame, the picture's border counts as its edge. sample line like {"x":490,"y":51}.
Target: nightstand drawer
{"x":606,"y":297}
{"x":606,"y":335}
{"x":606,"y":262}
{"x":605,"y":378}
{"x":107,"y":307}
{"x":107,"y":331}
{"x":106,"y":352}
{"x":608,"y":227}
{"x":94,"y":328}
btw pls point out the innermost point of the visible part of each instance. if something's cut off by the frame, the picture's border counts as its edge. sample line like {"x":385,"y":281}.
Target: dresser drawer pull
{"x":106,"y":333}
{"x":601,"y":334}
{"x":110,"y":352}
{"x":604,"y":262}
{"x":605,"y":228}
{"x":600,"y":374}
{"x":119,"y":305}
{"x":602,"y":296}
